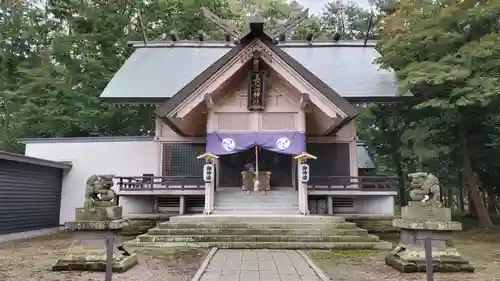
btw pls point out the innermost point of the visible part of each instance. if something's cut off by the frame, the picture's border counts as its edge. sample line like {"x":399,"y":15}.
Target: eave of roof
{"x":352,"y":100}
{"x":4,"y":155}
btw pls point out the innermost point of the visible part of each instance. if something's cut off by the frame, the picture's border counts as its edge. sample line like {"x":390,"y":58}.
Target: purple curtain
{"x":282,"y":142}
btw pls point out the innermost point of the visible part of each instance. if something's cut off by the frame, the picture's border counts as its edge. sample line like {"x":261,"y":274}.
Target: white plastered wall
{"x":89,"y":156}
{"x":374,"y":205}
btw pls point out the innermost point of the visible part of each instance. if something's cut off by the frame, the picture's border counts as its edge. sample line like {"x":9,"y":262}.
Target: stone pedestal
{"x":93,"y":226}
{"x":418,"y":222}
{"x":99,"y":213}
{"x":89,"y":253}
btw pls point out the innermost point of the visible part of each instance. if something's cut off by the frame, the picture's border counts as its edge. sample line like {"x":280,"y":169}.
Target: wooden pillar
{"x":212,"y":198}
{"x":217,"y":173}
{"x":209,"y":198}
{"x":300,"y":187}
{"x":156,"y":204}
{"x":353,"y":164}
{"x":303,"y":204}
{"x":330,"y":204}
{"x":182,"y":205}
{"x":209,"y":184}
{"x":306,"y":202}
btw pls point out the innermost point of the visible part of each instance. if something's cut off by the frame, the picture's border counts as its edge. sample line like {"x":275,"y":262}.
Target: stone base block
{"x":425,"y":211}
{"x":427,"y":225}
{"x":405,"y":266}
{"x":94,"y":260}
{"x":99,"y":213}
{"x":96,"y":225}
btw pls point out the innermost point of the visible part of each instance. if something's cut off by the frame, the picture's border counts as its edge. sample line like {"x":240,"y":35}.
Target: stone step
{"x":380,"y":245}
{"x":256,"y":218}
{"x":257,"y":225}
{"x":267,"y":231}
{"x":259,"y":212}
{"x":257,"y":206}
{"x":262,"y":211}
{"x":254,"y":238}
{"x":257,"y":194}
{"x":258,"y":203}
{"x":253,"y":196}
{"x":224,"y":191}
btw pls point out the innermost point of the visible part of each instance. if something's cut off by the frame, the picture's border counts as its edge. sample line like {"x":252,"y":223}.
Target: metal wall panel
{"x":30,"y":196}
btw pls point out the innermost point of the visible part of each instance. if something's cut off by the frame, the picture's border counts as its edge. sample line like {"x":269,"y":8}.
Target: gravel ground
{"x":481,"y":248}
{"x":31,"y":260}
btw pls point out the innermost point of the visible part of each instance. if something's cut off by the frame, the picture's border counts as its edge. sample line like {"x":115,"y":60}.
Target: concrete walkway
{"x":258,"y":265}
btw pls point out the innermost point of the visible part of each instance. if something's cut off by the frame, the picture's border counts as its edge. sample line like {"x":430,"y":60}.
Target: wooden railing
{"x":366,"y":183}
{"x":159,"y":183}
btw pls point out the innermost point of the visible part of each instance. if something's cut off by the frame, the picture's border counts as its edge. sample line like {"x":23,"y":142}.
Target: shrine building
{"x":234,"y":119}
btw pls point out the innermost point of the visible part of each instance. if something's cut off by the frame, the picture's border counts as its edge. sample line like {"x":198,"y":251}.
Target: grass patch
{"x":478,"y":246}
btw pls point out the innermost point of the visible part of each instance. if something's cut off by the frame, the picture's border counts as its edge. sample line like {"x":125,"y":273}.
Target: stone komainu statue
{"x":98,"y":192}
{"x":425,"y":187}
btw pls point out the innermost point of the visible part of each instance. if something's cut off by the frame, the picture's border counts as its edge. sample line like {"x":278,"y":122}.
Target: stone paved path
{"x":258,"y":265}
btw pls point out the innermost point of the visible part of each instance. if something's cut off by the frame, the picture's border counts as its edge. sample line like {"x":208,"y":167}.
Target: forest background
{"x":56,"y":56}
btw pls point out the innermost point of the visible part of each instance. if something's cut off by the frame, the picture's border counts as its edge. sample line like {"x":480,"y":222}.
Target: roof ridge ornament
{"x":291,"y":23}
{"x":256,"y":24}
{"x":222,"y":24}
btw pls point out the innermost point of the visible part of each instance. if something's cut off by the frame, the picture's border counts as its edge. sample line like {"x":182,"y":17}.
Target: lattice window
{"x":333,"y":159}
{"x":179,"y":159}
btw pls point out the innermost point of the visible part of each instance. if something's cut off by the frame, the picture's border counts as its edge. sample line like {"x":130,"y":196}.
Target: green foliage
{"x":447,"y":54}
{"x":350,"y":20}
{"x":57,"y":56}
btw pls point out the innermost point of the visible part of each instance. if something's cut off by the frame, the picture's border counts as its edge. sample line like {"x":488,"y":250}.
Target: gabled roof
{"x":329,"y":93}
{"x":156,"y":73}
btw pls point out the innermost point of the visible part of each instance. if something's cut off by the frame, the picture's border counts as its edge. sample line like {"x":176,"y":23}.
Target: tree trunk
{"x":461,"y":204}
{"x":470,"y":205}
{"x":475,"y":197}
{"x":460,"y":187}
{"x":450,"y":198}
{"x":493,"y":203}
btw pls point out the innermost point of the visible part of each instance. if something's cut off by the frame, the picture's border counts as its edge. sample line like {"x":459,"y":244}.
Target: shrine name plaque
{"x":256,"y":91}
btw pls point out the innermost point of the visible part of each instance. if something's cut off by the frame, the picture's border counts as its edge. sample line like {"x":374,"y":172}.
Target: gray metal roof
{"x":160,"y":72}
{"x":162,"y":69}
{"x":350,"y":71}
{"x":4,"y":155}
{"x":364,"y":159}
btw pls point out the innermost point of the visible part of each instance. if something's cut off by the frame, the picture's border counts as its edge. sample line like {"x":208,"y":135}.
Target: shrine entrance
{"x":278,"y":164}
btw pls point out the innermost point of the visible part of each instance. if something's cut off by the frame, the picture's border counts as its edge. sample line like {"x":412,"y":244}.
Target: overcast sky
{"x":316,"y":6}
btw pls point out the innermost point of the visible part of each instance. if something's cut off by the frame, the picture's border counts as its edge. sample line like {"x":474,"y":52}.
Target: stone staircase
{"x":258,"y":232}
{"x":234,"y":201}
